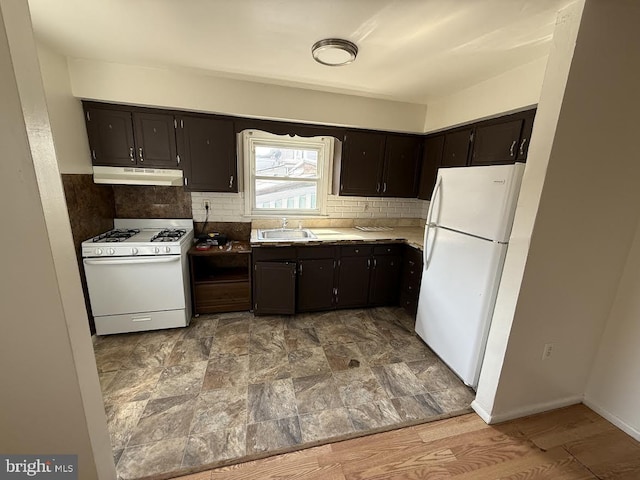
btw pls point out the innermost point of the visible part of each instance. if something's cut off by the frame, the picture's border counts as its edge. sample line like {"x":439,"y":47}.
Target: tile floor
{"x":232,"y":387}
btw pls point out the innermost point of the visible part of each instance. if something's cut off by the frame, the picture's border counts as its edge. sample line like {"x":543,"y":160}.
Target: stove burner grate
{"x":117,"y":235}
{"x":169,"y":235}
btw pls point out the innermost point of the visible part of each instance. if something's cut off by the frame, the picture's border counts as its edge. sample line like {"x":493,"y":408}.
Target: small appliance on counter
{"x":209,"y":240}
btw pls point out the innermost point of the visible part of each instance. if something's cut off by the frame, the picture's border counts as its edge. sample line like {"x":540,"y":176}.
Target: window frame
{"x":324,"y":145}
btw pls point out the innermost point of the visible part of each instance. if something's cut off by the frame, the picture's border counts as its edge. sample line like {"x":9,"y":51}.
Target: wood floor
{"x":572,"y":443}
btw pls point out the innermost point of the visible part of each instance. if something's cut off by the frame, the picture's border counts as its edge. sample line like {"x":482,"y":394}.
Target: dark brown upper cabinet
{"x":124,"y":137}
{"x":207,"y":150}
{"x":455,"y":152}
{"x":401,"y":166}
{"x":155,"y":138}
{"x":110,"y":135}
{"x":375,"y":164}
{"x":497,"y":143}
{"x":433,"y":147}
{"x":525,"y":137}
{"x":362,"y":163}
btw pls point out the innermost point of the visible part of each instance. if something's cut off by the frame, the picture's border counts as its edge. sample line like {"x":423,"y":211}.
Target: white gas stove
{"x":138,"y":275}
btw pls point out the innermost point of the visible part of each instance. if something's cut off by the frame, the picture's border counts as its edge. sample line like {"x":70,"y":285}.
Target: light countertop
{"x":413,"y":236}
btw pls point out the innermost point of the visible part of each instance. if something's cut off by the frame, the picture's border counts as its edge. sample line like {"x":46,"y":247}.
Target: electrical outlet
{"x":206,"y":204}
{"x":547,"y":351}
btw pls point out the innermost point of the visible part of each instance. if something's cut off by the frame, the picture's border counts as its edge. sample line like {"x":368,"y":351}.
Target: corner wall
{"x":576,"y":217}
{"x":614,"y":386}
{"x":51,"y":400}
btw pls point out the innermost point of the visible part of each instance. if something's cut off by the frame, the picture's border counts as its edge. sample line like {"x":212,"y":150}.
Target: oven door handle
{"x":129,"y":261}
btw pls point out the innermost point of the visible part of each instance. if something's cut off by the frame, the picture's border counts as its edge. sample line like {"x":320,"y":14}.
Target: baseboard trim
{"x":617,"y":421}
{"x":525,"y":411}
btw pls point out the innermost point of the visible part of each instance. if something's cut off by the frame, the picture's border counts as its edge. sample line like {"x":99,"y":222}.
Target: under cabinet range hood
{"x":137,"y":176}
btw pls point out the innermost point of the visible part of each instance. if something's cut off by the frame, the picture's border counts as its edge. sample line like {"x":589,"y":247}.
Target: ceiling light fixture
{"x":334,"y":52}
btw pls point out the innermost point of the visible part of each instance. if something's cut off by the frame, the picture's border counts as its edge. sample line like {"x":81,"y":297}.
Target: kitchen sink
{"x":285,"y":234}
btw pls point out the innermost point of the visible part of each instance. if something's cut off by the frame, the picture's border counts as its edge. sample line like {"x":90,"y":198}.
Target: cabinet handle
{"x":513,"y":144}
{"x":412,"y":263}
{"x":368,"y":263}
{"x":384,"y":188}
{"x":140,"y":154}
{"x":131,"y":155}
{"x":300,"y":269}
{"x":178,"y":159}
{"x":231,"y":181}
{"x":375,"y":263}
{"x":524,"y":140}
{"x":378,"y":187}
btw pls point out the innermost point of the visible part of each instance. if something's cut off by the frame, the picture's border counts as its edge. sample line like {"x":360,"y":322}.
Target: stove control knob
{"x":156,"y":250}
{"x":134,"y":250}
{"x":112,"y":251}
{"x":167,"y":249}
{"x":98,"y":251}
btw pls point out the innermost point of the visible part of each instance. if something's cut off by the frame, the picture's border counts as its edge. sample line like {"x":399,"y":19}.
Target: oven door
{"x":124,"y":285}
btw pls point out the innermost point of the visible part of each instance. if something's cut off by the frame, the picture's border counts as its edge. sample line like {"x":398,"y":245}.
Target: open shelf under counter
{"x":221,"y":278}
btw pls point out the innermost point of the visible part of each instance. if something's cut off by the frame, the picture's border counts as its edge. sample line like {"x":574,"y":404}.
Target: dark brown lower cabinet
{"x":316,"y":278}
{"x":411,"y":279}
{"x":274,"y":289}
{"x":384,"y":286}
{"x":353,"y":282}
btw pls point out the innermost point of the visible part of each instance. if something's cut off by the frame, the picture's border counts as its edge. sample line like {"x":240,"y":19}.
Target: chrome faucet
{"x":284,"y":222}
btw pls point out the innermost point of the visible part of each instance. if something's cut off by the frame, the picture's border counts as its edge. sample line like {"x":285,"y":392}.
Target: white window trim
{"x":325,"y":147}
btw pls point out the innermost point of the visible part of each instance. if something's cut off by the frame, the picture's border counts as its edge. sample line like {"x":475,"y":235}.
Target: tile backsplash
{"x":229,"y":207}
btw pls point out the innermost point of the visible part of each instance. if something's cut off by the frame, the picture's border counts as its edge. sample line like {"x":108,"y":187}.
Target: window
{"x":286,"y":175}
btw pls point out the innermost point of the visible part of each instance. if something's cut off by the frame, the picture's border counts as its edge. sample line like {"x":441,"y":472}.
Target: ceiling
{"x":409,"y":50}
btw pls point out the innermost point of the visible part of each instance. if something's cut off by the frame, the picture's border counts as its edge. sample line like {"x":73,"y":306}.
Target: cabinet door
{"x":497,"y":143}
{"x":385,"y":280}
{"x":433,"y":147}
{"x":110,"y":135}
{"x":155,"y":140}
{"x":353,"y":282}
{"x":525,"y":137}
{"x":401,"y":166}
{"x":274,"y":288}
{"x":362,"y":161}
{"x":315,"y":284}
{"x":456,"y":148}
{"x":207,"y":151}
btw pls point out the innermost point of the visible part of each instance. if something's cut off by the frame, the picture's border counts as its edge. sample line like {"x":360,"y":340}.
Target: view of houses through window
{"x":287,"y":175}
{"x":282,"y":176}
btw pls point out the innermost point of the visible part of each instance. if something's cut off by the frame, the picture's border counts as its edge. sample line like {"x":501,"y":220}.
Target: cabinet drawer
{"x":389,"y":249}
{"x":409,"y":303}
{"x":274,"y":253}
{"x":356,"y":251}
{"x":222,"y":297}
{"x":317,"y":252}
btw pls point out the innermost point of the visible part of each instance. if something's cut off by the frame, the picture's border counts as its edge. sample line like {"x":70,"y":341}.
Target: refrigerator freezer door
{"x":478,"y":200}
{"x":457,"y":295}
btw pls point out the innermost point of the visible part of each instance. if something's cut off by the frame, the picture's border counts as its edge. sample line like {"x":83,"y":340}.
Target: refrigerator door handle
{"x":428,"y":224}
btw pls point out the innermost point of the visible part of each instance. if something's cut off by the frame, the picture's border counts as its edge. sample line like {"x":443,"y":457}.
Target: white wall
{"x":614,"y":386}
{"x":195,"y":91}
{"x":513,"y":90}
{"x":568,"y":249}
{"x":65,"y":113}
{"x":51,"y":401}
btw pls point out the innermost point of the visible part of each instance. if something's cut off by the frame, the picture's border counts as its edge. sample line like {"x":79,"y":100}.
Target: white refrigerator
{"x":465,"y":243}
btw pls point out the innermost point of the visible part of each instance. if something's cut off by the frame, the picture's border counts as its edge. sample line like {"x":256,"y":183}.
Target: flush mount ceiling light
{"x":334,"y":52}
